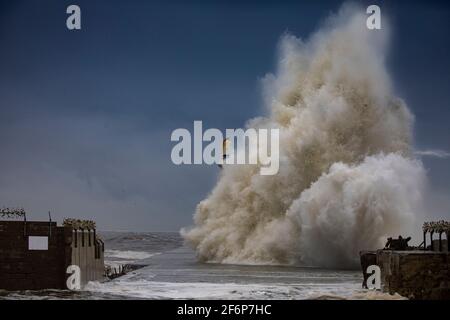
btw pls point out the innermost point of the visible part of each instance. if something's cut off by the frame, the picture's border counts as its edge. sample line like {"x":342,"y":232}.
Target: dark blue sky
{"x":86,"y":116}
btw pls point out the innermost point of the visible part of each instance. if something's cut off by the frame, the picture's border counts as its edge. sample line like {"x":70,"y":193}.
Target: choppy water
{"x":172,"y":272}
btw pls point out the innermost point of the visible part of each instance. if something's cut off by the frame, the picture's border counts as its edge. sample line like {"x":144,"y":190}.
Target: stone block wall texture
{"x":417,"y":274}
{"x":368,"y":258}
{"x":88,"y":255}
{"x":24,"y":269}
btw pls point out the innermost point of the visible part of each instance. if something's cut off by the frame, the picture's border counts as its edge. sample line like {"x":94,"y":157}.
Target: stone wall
{"x":415,"y":274}
{"x":88,"y":254}
{"x":421,"y":275}
{"x":24,"y":269}
{"x":370,"y":258}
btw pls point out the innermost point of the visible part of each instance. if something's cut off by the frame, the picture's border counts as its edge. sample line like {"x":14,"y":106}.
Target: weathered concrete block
{"x":413,"y":274}
{"x":24,"y":269}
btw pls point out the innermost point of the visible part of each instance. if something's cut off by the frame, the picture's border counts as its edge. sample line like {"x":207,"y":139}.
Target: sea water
{"x":172,"y":271}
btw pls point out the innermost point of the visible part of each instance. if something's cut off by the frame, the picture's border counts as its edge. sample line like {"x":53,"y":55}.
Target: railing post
{"x":431,"y":240}
{"x":424,"y":241}
{"x":24,"y":224}
{"x":49,"y":225}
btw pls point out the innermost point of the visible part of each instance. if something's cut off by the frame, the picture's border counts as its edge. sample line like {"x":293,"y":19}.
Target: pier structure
{"x":421,"y":273}
{"x":35,"y":255}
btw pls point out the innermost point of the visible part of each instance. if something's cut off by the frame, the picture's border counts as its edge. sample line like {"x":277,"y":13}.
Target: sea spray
{"x":347,"y":176}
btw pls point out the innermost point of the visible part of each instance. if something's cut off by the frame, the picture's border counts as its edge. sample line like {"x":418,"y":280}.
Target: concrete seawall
{"x":87,"y":254}
{"x":421,"y":275}
{"x":23,"y":267}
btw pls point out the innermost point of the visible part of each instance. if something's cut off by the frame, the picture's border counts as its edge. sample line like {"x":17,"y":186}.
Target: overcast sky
{"x":86,"y":116}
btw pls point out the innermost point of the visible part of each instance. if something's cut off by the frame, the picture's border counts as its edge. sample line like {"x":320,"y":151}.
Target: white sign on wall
{"x":37,"y":243}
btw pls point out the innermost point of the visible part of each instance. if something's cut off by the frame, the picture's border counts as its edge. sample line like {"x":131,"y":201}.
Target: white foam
{"x":145,"y":289}
{"x":128,"y":255}
{"x":348,"y":177}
